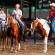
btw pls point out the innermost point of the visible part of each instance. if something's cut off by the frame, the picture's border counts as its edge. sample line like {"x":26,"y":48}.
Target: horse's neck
{"x":40,"y":25}
{"x":42,"y":21}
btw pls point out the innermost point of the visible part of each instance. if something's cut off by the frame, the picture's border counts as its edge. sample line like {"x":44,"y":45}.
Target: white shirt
{"x":3,"y":16}
{"x":17,"y":12}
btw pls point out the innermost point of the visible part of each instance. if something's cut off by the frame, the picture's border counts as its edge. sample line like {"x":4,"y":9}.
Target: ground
{"x":31,"y":49}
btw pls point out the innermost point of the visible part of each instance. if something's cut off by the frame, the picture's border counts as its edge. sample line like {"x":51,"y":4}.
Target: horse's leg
{"x":18,"y":43}
{"x":11,"y":44}
{"x":50,"y":35}
{"x":1,"y":41}
{"x":4,"y":42}
{"x":45,"y":44}
{"x":24,"y":38}
{"x":24,"y":41}
{"x":7,"y":40}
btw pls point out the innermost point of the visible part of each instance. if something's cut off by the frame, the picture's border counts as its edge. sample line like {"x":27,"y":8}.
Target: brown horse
{"x":43,"y":30}
{"x":14,"y":32}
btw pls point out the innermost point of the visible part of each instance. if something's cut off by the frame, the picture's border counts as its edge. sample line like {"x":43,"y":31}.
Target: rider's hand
{"x":47,"y":17}
{"x":49,"y":21}
{"x":18,"y":19}
{"x":15,"y":13}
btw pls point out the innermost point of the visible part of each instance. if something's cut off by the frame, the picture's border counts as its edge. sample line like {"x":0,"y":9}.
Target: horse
{"x":3,"y":33}
{"x":44,"y":30}
{"x":13,"y":32}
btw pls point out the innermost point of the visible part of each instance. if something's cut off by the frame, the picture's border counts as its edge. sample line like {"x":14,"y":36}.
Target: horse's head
{"x":9,"y":19}
{"x":34,"y":24}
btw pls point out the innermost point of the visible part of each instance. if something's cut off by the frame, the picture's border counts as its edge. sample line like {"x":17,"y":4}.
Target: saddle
{"x":16,"y":22}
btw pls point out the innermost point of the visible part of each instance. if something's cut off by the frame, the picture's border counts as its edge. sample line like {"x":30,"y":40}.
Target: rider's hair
{"x":3,"y":9}
{"x":18,"y":5}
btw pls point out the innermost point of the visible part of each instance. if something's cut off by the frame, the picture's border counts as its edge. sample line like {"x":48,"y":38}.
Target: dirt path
{"x":31,"y":49}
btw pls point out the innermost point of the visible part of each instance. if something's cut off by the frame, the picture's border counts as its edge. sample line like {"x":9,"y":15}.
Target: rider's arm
{"x":13,"y":13}
{"x":20,"y":14}
{"x":49,"y":15}
{"x":18,"y":18}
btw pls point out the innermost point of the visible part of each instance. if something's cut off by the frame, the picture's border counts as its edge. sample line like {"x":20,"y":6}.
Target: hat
{"x":53,"y":4}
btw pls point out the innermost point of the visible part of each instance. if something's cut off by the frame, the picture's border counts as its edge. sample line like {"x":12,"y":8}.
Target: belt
{"x":3,"y":20}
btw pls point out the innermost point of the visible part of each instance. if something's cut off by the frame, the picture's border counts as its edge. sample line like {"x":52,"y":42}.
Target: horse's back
{"x":45,"y":25}
{"x":42,"y":21}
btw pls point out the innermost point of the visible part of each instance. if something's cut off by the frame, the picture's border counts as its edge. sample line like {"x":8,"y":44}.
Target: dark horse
{"x":13,"y":32}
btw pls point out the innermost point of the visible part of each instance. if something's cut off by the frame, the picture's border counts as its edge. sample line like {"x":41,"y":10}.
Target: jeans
{"x":21,"y":24}
{"x":52,"y":18}
{"x":53,"y":26}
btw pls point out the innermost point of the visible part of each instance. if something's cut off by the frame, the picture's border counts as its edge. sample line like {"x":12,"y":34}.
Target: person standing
{"x":18,"y":15}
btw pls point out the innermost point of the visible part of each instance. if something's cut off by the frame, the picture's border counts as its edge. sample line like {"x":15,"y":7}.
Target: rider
{"x":18,"y":14}
{"x":2,"y":15}
{"x":52,"y":17}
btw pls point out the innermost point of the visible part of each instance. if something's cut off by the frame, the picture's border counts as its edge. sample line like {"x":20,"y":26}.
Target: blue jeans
{"x":21,"y":24}
{"x":53,"y":27}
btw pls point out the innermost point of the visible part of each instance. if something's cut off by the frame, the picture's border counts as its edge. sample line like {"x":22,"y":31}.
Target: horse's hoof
{"x":25,"y":48}
{"x":4,"y":47}
{"x":12,"y":50}
{"x":44,"y":51}
{"x":18,"y":49}
{"x":15,"y":51}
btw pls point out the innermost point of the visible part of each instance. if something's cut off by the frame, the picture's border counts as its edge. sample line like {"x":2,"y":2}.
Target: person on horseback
{"x":52,"y":17}
{"x":2,"y":15}
{"x":18,"y":14}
